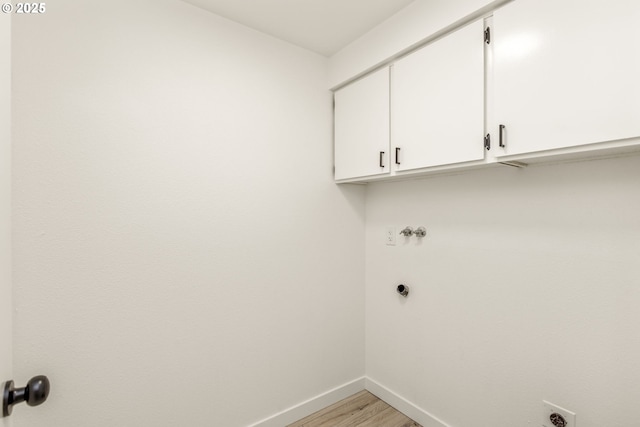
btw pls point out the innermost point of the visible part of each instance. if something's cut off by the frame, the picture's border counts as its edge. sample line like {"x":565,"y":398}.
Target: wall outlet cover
{"x":390,"y":236}
{"x":556,"y":416}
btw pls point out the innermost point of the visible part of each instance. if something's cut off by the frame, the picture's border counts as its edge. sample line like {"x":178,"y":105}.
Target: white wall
{"x":182,"y":256}
{"x":5,"y":202}
{"x":525,"y":288}
{"x":409,"y":27}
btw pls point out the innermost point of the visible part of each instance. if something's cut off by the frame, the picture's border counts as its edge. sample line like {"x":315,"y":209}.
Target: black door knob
{"x":34,"y":393}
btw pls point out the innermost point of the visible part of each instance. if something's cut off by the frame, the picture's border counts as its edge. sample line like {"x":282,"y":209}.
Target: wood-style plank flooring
{"x":360,"y":410}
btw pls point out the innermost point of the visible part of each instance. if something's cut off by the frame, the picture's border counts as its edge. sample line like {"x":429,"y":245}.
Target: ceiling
{"x":323,"y":26}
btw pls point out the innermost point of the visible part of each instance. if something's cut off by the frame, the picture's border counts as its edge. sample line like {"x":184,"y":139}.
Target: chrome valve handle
{"x":407,"y":231}
{"x":420,"y":232}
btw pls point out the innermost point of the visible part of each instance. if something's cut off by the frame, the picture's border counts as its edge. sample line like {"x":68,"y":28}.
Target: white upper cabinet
{"x":566,"y":74}
{"x":362,"y":127}
{"x":437,"y":102}
{"x":561,"y":79}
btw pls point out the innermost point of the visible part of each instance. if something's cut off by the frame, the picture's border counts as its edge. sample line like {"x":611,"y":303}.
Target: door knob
{"x":34,"y":393}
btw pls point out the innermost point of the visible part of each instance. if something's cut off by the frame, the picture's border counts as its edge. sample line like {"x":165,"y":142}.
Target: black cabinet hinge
{"x":487,"y":35}
{"x":487,"y":142}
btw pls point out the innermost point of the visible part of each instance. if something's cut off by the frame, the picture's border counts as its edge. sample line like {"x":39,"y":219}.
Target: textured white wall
{"x":525,"y":288}
{"x":5,"y":202}
{"x":182,"y":256}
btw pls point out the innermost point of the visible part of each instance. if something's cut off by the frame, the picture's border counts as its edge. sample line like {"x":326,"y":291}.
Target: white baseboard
{"x":403,"y":405}
{"x":312,"y":405}
{"x":330,"y":397}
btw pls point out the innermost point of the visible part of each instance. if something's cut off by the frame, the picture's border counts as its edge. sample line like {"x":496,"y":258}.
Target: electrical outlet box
{"x":390,"y":236}
{"x":555,"y":416}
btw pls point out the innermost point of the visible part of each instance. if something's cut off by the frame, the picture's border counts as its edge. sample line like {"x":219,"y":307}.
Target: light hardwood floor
{"x":360,"y":410}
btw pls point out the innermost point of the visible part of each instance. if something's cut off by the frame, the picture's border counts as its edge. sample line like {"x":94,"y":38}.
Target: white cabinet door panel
{"x":566,"y":73}
{"x":438,"y":101}
{"x":362,"y":127}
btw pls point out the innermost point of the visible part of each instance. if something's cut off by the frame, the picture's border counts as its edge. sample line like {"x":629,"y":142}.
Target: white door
{"x":362,"y":127}
{"x":5,"y":205}
{"x":566,"y":73}
{"x":437,"y":102}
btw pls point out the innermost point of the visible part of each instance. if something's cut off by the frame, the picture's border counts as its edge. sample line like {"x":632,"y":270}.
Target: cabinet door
{"x":438,"y":102}
{"x":566,"y":73}
{"x":362,"y":127}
